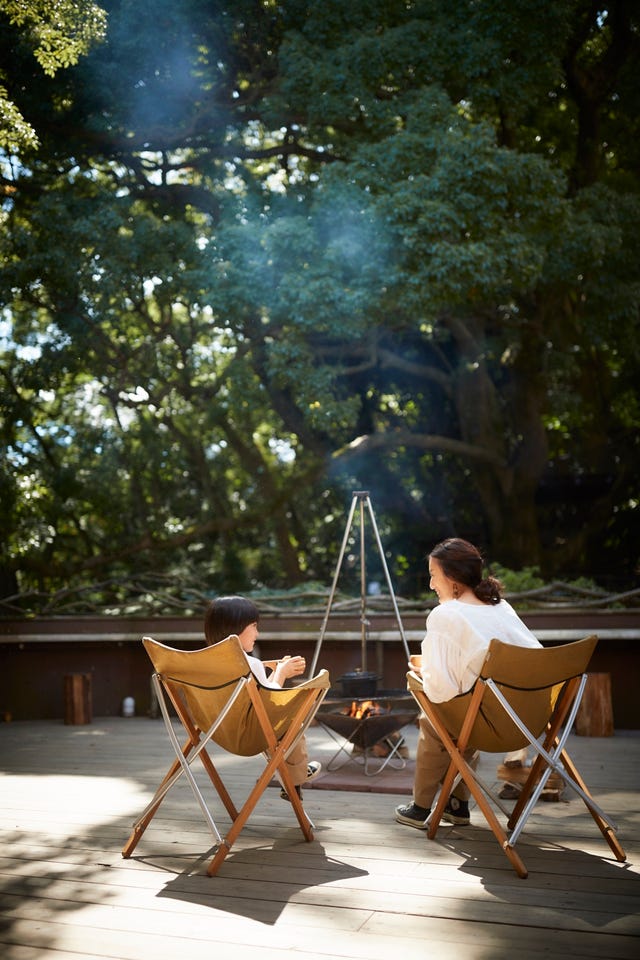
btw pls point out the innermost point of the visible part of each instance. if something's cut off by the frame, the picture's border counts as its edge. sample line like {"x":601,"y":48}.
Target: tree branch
{"x":422,"y":441}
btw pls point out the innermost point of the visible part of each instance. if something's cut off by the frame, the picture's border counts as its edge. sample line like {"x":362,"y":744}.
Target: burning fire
{"x":359,"y":710}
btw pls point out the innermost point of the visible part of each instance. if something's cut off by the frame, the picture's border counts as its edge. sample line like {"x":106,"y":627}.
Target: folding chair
{"x":217,"y":698}
{"x":523,"y":697}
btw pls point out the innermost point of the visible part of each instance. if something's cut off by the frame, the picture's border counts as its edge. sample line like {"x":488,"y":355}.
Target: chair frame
{"x":275,"y":754}
{"x":551,"y":755}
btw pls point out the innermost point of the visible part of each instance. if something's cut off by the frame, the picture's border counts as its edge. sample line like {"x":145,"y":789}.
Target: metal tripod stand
{"x":362,"y":498}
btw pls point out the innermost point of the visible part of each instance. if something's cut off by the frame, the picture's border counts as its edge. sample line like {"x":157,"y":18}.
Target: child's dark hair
{"x":227,"y":615}
{"x":462,"y":562}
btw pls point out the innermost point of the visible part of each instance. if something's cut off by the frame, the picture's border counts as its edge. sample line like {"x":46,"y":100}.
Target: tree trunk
{"x":508,"y":422}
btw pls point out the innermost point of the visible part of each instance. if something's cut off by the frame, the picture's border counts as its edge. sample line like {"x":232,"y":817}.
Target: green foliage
{"x":59,"y":34}
{"x":15,"y":132}
{"x":269,"y":254}
{"x":529,"y":589}
{"x":518,"y":581}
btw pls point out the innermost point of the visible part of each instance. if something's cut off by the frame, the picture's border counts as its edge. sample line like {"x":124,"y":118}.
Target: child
{"x":237,"y":615}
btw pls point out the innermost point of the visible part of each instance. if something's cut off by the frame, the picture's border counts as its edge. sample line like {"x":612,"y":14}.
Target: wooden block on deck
{"x":595,"y":714}
{"x":78,"y":702}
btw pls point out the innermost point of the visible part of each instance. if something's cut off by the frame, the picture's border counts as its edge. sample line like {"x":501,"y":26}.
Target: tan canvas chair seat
{"x":523,"y":697}
{"x":217,"y":698}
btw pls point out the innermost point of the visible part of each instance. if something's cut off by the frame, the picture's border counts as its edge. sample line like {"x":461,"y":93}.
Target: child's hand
{"x":291,"y":667}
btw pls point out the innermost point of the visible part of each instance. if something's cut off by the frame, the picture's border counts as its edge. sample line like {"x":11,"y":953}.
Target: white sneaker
{"x":313,"y":770}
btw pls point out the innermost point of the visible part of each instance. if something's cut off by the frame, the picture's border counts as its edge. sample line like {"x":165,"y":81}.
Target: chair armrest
{"x":321,"y":681}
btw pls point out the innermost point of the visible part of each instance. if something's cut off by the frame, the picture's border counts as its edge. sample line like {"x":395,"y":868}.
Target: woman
{"x":237,"y":615}
{"x":470,"y":614}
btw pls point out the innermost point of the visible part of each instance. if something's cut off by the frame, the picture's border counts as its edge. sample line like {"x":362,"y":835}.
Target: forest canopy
{"x":258,"y":255}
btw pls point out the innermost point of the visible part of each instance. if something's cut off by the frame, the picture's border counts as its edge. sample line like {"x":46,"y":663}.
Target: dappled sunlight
{"x":69,"y":795}
{"x":76,"y":797}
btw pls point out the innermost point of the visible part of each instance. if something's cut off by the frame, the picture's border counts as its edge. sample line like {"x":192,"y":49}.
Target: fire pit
{"x":364,"y":722}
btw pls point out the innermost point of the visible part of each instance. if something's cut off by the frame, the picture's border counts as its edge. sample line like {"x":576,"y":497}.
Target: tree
{"x":270,"y":253}
{"x":516,"y":232}
{"x":58,"y":34}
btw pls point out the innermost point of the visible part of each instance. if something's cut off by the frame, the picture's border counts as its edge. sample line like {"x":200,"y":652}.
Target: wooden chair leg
{"x":528,"y":787}
{"x":305,"y":824}
{"x":143,"y":822}
{"x":277,"y":763}
{"x":460,"y":765}
{"x":214,"y":776}
{"x":606,"y":829}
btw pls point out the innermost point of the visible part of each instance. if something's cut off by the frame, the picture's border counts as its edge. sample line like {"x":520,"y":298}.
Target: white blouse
{"x":260,"y":673}
{"x":457,"y":639}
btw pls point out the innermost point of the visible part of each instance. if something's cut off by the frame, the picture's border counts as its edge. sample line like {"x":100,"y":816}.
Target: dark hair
{"x":227,"y":615}
{"x":462,"y":562}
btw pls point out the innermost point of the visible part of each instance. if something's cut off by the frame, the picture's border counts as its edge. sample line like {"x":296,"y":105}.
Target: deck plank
{"x":365,"y":887}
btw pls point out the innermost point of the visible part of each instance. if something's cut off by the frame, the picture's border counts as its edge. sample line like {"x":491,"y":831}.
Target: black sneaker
{"x":285,"y":796}
{"x":457,"y":811}
{"x":413,"y":815}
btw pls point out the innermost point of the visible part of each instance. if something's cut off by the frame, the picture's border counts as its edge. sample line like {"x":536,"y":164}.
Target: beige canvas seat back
{"x":218,"y":700}
{"x":201,"y":681}
{"x":531,"y":679}
{"x":523,"y":697}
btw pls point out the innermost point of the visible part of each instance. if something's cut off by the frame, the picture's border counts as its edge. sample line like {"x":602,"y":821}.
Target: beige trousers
{"x":432,"y":762}
{"x":297,"y":762}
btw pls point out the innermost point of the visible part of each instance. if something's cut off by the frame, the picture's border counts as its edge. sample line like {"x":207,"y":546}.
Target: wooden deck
{"x":365,"y":888}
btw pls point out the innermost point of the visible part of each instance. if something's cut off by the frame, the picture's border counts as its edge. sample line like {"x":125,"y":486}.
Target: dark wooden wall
{"x":37,"y":654}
